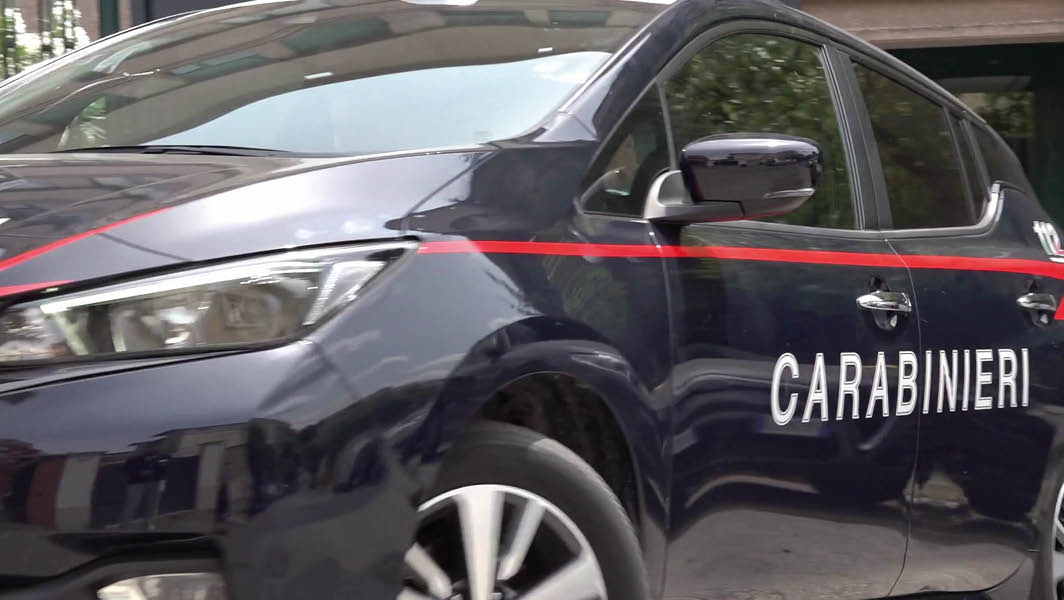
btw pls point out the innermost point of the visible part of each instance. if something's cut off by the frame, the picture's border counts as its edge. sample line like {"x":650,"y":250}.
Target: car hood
{"x":70,"y":218}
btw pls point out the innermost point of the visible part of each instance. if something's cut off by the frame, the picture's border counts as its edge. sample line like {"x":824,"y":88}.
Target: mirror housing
{"x":736,"y":176}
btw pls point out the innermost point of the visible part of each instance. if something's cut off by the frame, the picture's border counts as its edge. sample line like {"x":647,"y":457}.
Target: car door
{"x":786,"y":483}
{"x":991,"y":347}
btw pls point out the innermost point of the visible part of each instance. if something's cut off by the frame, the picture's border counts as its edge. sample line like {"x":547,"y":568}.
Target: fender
{"x":518,"y":351}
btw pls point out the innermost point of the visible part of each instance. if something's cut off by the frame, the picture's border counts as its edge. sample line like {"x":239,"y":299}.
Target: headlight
{"x":234,"y":304}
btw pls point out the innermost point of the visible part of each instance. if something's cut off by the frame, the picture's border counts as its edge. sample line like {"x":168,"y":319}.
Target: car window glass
{"x":1001,"y":163}
{"x":977,"y":187}
{"x":920,"y":163}
{"x":636,"y":153}
{"x":752,"y":83}
{"x":336,"y":78}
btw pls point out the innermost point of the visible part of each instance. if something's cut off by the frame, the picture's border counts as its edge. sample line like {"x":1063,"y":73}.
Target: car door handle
{"x":897,"y":302}
{"x":1040,"y":302}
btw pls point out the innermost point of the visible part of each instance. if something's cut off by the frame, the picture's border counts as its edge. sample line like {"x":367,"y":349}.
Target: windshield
{"x":322,"y":78}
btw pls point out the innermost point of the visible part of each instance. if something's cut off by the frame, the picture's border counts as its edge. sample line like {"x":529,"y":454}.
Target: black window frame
{"x":965,"y":141}
{"x":835,"y":60}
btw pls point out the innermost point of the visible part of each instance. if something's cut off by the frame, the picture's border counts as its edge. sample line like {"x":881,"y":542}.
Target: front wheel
{"x":516,"y":515}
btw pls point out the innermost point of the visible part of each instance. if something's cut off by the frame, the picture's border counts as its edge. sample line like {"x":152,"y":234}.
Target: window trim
{"x":861,"y":138}
{"x":958,"y":151}
{"x":847,"y":119}
{"x":992,"y":211}
{"x":968,"y":128}
{"x":990,"y":218}
{"x":962,"y":140}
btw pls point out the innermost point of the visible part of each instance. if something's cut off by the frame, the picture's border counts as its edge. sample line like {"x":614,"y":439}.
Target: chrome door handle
{"x":1042,"y":302}
{"x":897,"y":302}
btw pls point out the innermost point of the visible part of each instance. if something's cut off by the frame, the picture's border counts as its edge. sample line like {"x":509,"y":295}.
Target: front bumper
{"x":265,"y":463}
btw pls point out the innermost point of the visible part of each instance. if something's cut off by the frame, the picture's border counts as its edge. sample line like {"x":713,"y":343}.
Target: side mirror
{"x":736,"y":176}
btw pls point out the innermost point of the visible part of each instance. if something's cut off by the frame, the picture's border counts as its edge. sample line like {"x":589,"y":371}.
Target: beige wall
{"x":921,"y":23}
{"x":887,"y":23}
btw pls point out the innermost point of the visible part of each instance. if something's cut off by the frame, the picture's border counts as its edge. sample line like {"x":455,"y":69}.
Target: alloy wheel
{"x":496,"y":542}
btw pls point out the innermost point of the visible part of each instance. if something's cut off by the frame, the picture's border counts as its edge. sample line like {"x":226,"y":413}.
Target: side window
{"x":638,"y":151}
{"x":977,"y":187}
{"x":753,"y":83}
{"x":1000,"y":162}
{"x":920,"y":163}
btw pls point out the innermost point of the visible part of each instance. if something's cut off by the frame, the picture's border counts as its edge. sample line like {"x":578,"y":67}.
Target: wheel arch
{"x":569,"y":369}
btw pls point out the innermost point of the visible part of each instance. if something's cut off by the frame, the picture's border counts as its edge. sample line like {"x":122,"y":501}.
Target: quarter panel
{"x":482,"y":320}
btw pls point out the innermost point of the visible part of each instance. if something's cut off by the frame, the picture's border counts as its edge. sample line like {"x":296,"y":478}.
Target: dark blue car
{"x":529,"y":300}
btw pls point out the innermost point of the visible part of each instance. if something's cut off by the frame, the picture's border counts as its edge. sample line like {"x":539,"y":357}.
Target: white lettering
{"x":1006,"y":376}
{"x":783,"y":416}
{"x":947,"y":381}
{"x":927,"y":381}
{"x":982,"y":356}
{"x":818,"y":391}
{"x":1026,"y":377}
{"x":967,"y":377}
{"x":848,"y":386}
{"x":954,"y":387}
{"x":879,"y":388}
{"x":908,"y":369}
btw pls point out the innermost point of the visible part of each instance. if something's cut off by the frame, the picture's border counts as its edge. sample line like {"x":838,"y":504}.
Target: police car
{"x":539,"y":299}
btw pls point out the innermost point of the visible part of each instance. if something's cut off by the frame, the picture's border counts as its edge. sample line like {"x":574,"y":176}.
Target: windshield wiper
{"x":182,"y":149}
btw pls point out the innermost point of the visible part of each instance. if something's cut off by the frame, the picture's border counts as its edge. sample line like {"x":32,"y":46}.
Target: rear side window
{"x":1001,"y":163}
{"x":755,"y":83}
{"x":925,"y":182}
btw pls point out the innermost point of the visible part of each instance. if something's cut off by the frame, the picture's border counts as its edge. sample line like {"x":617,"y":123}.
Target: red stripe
{"x":817,"y":257}
{"x":11,"y":290}
{"x":18,"y":259}
{"x":542,"y":248}
{"x":824,"y":257}
{"x":1002,"y":265}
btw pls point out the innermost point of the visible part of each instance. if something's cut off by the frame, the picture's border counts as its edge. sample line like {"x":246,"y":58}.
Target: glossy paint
{"x":299,"y":467}
{"x":981,"y":475}
{"x":798,"y":502}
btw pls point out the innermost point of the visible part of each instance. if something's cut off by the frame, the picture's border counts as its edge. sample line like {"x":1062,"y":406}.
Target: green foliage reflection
{"x":765,"y":84}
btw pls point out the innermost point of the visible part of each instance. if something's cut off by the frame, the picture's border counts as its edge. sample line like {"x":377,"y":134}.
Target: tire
{"x":507,"y":457}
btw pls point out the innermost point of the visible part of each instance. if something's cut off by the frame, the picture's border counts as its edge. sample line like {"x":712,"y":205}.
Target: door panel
{"x":989,"y":368}
{"x":982,"y":463}
{"x":783,"y":487}
{"x":782,"y":505}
